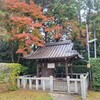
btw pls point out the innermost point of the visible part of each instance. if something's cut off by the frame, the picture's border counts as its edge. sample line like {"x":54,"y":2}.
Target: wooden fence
{"x":35,"y":82}
{"x":76,"y":75}
{"x":78,"y":86}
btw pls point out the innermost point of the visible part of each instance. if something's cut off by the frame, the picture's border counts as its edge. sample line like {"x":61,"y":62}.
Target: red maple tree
{"x":23,"y":23}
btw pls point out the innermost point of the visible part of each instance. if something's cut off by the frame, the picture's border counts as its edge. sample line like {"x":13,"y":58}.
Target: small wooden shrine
{"x":53,"y":54}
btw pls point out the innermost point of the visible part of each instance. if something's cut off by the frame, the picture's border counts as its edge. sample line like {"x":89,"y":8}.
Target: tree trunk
{"x":18,"y":58}
{"x":12,"y":56}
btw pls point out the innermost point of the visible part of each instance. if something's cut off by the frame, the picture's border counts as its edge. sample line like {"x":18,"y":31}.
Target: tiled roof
{"x":62,"y":49}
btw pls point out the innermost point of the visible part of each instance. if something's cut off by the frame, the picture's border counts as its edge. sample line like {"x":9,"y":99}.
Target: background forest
{"x":56,"y":20}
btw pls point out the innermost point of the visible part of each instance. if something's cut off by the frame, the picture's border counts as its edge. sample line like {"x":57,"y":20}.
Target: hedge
{"x":8,"y":74}
{"x":95,"y":63}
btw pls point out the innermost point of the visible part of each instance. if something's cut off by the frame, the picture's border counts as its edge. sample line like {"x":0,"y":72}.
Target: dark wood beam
{"x":66,"y":67}
{"x":52,"y":61}
{"x":37,"y":70}
{"x":71,"y":70}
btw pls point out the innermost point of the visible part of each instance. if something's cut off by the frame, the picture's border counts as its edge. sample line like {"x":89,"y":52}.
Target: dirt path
{"x":60,"y":96}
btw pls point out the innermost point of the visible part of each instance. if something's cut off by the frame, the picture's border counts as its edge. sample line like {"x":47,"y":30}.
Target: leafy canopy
{"x":22,"y":23}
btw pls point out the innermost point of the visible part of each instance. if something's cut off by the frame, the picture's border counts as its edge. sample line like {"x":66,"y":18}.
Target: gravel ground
{"x":61,"y":96}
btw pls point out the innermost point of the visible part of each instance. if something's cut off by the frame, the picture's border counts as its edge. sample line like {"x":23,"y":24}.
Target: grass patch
{"x":93,"y":95}
{"x":25,"y":95}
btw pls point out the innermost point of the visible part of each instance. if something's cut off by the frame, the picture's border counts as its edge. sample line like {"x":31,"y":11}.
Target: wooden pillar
{"x":71,"y":70}
{"x":37,"y":70}
{"x":43,"y":70}
{"x":66,"y":66}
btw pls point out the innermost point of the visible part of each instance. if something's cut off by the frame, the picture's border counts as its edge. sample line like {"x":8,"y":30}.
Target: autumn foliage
{"x":76,"y":31}
{"x":23,"y":22}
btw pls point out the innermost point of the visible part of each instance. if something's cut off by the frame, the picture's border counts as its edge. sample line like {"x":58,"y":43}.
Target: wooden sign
{"x":51,"y":65}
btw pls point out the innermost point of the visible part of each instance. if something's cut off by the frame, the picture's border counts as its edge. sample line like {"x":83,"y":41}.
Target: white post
{"x":87,"y":81}
{"x":68,"y":84}
{"x":24,"y":83}
{"x":84,"y":83}
{"x":83,"y":88}
{"x":37,"y":84}
{"x":22,"y":80}
{"x":18,"y":82}
{"x":30,"y":84}
{"x":43,"y":84}
{"x":82,"y":93}
{"x":88,"y":45}
{"x":51,"y":83}
{"x":76,"y":87}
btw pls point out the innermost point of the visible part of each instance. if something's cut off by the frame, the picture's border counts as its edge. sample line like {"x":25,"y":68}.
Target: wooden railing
{"x":35,"y":82}
{"x":78,"y":85}
{"x":73,"y":75}
{"x":76,"y":75}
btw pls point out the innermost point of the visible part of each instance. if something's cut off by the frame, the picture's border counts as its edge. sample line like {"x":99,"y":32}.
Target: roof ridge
{"x":58,"y":43}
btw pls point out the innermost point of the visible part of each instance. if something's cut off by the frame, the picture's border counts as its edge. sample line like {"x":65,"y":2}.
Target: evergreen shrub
{"x":95,"y":64}
{"x":8,"y":74}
